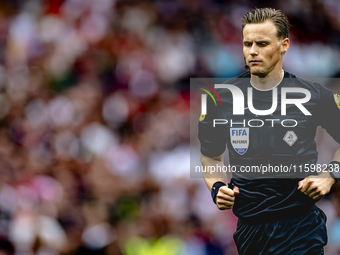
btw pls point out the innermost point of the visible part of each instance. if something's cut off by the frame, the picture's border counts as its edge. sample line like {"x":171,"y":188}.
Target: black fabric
{"x":215,"y":188}
{"x":266,"y":199}
{"x":259,"y":198}
{"x":302,"y":235}
{"x":334,"y":168}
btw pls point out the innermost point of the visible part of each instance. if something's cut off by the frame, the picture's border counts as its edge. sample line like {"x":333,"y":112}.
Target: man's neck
{"x":268,"y":82}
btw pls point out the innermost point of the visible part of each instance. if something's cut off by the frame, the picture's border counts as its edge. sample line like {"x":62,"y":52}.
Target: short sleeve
{"x":328,"y":112}
{"x":212,"y":139}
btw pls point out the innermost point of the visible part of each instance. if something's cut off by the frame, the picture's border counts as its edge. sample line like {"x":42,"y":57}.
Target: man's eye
{"x":247,"y":44}
{"x":261,"y":44}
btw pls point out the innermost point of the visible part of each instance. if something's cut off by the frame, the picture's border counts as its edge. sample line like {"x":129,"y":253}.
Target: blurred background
{"x":94,"y":111}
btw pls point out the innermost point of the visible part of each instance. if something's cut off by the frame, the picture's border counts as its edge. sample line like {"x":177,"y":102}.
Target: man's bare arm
{"x":318,"y":186}
{"x":225,"y":197}
{"x":211,"y":178}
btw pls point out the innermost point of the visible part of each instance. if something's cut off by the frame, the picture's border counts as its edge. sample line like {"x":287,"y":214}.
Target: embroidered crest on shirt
{"x":290,"y":138}
{"x":337,"y":100}
{"x":239,"y":138}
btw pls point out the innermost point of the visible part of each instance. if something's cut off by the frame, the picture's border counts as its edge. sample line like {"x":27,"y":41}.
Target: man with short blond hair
{"x":276,"y":215}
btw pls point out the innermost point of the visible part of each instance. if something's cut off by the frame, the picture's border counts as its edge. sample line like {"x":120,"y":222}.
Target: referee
{"x":275,"y":215}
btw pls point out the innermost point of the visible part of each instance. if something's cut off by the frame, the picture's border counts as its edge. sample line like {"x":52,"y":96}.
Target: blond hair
{"x":279,"y":19}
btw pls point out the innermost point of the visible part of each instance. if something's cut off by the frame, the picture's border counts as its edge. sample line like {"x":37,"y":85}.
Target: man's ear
{"x":285,"y":45}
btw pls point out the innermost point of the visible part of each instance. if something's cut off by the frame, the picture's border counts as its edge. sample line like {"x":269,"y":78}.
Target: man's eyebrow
{"x":263,"y":41}
{"x":258,"y":41}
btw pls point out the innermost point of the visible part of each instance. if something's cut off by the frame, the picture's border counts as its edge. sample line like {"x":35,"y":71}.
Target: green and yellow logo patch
{"x":202,"y":117}
{"x":337,"y":100}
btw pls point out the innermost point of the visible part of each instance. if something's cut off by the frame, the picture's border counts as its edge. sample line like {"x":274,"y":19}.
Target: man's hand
{"x":316,"y":186}
{"x":225,"y":197}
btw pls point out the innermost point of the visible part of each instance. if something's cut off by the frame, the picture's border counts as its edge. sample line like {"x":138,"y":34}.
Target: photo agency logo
{"x":239,"y":99}
{"x":257,"y":118}
{"x":204,"y":99}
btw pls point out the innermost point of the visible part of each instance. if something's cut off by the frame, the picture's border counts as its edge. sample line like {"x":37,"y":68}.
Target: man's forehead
{"x":260,"y":31}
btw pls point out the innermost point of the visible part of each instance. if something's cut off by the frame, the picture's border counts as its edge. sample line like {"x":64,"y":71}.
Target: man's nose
{"x":254,"y":50}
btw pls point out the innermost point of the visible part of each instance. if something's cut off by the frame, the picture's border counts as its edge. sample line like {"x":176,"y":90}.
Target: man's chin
{"x":257,"y":72}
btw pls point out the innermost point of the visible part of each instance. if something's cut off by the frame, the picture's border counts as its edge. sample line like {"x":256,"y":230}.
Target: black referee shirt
{"x":256,"y":140}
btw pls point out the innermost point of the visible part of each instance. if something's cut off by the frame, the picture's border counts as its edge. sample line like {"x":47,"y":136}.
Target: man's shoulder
{"x":241,"y":78}
{"x":291,"y":81}
{"x":297,"y":81}
{"x":241,"y":81}
{"x":245,"y":75}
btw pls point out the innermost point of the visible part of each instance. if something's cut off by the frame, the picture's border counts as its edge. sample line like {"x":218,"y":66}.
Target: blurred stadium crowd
{"x":94,"y":111}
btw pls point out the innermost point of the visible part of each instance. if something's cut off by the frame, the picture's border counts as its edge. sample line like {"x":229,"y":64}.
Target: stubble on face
{"x":261,"y":49}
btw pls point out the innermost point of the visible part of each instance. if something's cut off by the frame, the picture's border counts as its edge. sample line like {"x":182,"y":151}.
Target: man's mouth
{"x":254,"y":61}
